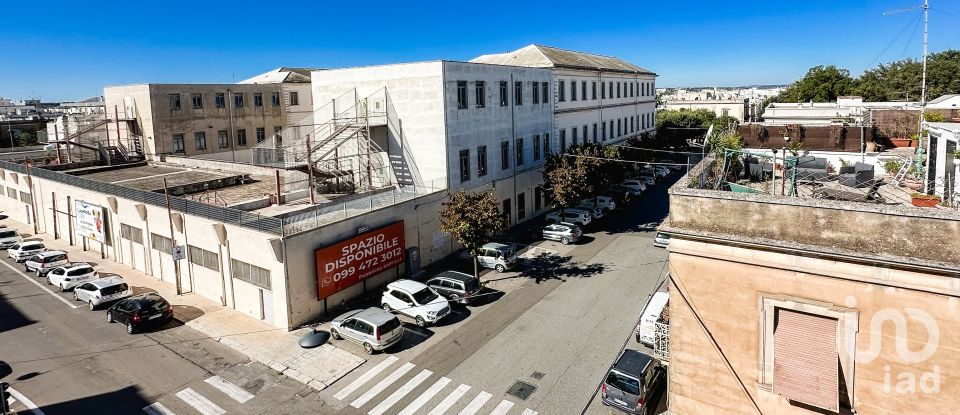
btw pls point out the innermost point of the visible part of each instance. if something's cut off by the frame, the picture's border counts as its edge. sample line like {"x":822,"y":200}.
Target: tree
{"x":565,"y":179}
{"x":820,"y":84}
{"x":26,"y":138}
{"x":472,"y":218}
{"x":601,"y":166}
{"x":901,"y":80}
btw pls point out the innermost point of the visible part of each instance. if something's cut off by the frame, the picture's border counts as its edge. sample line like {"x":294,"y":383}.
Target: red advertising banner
{"x":350,"y":261}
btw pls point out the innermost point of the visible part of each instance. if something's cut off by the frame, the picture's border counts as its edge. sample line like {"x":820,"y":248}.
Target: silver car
{"x":26,"y":249}
{"x":373,"y":328}
{"x":661,"y":240}
{"x":566,"y":233}
{"x":101,"y":291}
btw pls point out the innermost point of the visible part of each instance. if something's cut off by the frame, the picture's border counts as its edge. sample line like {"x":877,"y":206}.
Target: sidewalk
{"x":276,"y":348}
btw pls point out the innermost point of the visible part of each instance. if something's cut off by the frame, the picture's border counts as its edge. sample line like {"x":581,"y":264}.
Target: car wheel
{"x":129,"y":328}
{"x":63,"y":288}
{"x":386,"y":307}
{"x":335,"y":334}
{"x":90,"y":304}
{"x":500,"y":268}
{"x":421,"y":322}
{"x":75,"y":296}
{"x":48,"y":281}
{"x":565,"y":240}
{"x":368,"y":348}
{"x":109,"y":315}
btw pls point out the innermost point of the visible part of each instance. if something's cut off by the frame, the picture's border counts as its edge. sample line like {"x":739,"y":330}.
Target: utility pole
{"x":923,"y":91}
{"x":173,"y":239}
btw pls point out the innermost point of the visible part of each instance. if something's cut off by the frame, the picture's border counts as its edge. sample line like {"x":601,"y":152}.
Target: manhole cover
{"x":537,"y":375}
{"x":522,"y":390}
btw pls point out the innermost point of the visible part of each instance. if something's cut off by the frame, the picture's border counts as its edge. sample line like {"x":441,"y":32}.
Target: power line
{"x":909,"y":23}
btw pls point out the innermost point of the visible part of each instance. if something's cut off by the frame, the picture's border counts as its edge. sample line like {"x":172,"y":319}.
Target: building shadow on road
{"x":128,"y":400}
{"x":10,"y":317}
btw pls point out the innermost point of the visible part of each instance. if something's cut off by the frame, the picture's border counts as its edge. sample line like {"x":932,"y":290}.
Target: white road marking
{"x":379,"y":387}
{"x":157,"y":408}
{"x":503,"y":408}
{"x":10,"y":401}
{"x":476,"y":403}
{"x":237,"y":393}
{"x":424,"y":397}
{"x":400,"y":393}
{"x":528,"y":411}
{"x":451,"y":399}
{"x":24,"y":400}
{"x":199,"y":402}
{"x":357,"y":383}
{"x":34,"y":281}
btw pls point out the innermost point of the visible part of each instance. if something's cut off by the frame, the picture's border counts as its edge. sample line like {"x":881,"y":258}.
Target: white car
{"x":635,"y":185}
{"x":656,"y":172}
{"x":594,"y":212}
{"x":603,"y":202}
{"x":416,"y":300}
{"x":101,"y":291}
{"x":71,"y":275}
{"x":661,"y":240}
{"x":23,"y":250}
{"x":574,"y":216}
{"x":43,"y":262}
{"x":9,"y":237}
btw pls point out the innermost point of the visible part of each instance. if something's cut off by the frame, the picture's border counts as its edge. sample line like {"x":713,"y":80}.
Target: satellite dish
{"x":314,"y":339}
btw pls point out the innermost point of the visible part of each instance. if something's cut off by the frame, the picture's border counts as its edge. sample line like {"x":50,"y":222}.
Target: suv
{"x":497,"y":256}
{"x":455,"y":286}
{"x":45,"y":261}
{"x":71,"y":275}
{"x":661,"y":239}
{"x":564,"y":232}
{"x":139,"y":311}
{"x":577,"y":217}
{"x":636,"y":187}
{"x":373,"y":328}
{"x":26,"y":249}
{"x":9,"y":237}
{"x":416,"y":300}
{"x":101,"y":291}
{"x":631,"y":382}
{"x":603,"y":202}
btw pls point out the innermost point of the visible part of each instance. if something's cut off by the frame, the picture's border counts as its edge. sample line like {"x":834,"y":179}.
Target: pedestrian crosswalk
{"x":366,"y":392}
{"x":200,"y":403}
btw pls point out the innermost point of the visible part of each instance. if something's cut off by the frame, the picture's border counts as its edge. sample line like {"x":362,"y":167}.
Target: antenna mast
{"x":923,"y":89}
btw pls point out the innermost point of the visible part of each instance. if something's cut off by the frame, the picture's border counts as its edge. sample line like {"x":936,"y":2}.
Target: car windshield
{"x":8,"y":234}
{"x":625,"y":384}
{"x":471,"y":285}
{"x":424,"y":296}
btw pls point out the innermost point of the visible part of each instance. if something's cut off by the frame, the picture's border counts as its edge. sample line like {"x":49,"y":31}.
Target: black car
{"x":455,"y":286}
{"x":140,"y":311}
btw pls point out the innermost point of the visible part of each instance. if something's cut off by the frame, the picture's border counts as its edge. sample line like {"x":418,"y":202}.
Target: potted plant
{"x":924,"y":200}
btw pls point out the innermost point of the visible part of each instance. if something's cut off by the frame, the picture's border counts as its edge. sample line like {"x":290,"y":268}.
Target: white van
{"x":649,"y":317}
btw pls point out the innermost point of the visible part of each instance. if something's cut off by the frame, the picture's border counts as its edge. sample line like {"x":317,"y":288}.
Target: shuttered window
{"x":161,"y":243}
{"x":130,"y":233}
{"x":251,"y":273}
{"x":806,"y":359}
{"x":204,"y":258}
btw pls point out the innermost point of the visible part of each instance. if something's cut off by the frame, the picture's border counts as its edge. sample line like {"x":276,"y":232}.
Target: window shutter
{"x":806,"y":360}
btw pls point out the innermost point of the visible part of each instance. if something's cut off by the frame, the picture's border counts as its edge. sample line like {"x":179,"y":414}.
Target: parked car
{"x":102,"y":291}
{"x":9,"y":238}
{"x":455,"y":286}
{"x":566,"y":233}
{"x":604,"y":202}
{"x":632,"y":381}
{"x":594,"y":212}
{"x":26,"y":249}
{"x":670,"y":164}
{"x":576,"y":217}
{"x":373,"y":328}
{"x":500,"y":257}
{"x":655,"y":172}
{"x":664,"y":170}
{"x":71,"y":275}
{"x":416,"y":300}
{"x":140,"y":311}
{"x":661,"y":239}
{"x":45,"y":261}
{"x":648,"y":179}
{"x":648,"y":319}
{"x":638,"y":185}
{"x":623,"y":195}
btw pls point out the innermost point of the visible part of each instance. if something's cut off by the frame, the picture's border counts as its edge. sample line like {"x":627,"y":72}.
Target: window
{"x":503,"y":93}
{"x":250,"y":273}
{"x":593,"y":89}
{"x":203,"y":258}
{"x":480,"y":90}
{"x":521,"y":206}
{"x":237,"y":100}
{"x":573,"y":135}
{"x":131,"y":234}
{"x":519,"y":148}
{"x":294,"y":98}
{"x":603,"y":131}
{"x":725,"y":112}
{"x":178,"y":143}
{"x":611,"y":89}
{"x":535,"y":93}
{"x":241,"y":137}
{"x":161,"y":243}
{"x":26,"y":197}
{"x":560,"y":89}
{"x":481,"y":161}
{"x":275,"y":99}
{"x":544,"y":91}
{"x":462,"y":95}
{"x":174,"y":102}
{"x":618,"y":90}
{"x":563,"y":140}
{"x":631,"y":125}
{"x":537,"y":198}
{"x":518,"y":93}
{"x":220,"y":100}
{"x":200,"y":140}
{"x":505,"y":155}
{"x":258,"y":99}
{"x":222,"y":139}
{"x":536,"y":147}
{"x":573,"y":90}
{"x":611,"y":129}
{"x":11,"y":193}
{"x":619,"y":130}
{"x":631,"y":89}
{"x":464,"y":165}
{"x":594,"y":132}
{"x":278,"y":135}
{"x":583,"y":90}
{"x":261,"y":134}
{"x":603,"y":90}
{"x":546,"y":145}
{"x":584,"y":136}
{"x":197,"y":100}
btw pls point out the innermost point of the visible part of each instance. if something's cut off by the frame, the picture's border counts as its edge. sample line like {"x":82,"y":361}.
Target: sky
{"x":71,"y":50}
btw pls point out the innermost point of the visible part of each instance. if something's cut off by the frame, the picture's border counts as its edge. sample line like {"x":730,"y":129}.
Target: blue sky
{"x":71,"y":51}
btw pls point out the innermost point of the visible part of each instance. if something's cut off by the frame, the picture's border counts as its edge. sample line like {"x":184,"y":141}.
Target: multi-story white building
{"x":599,"y":99}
